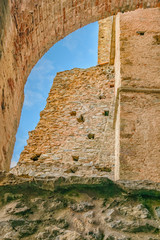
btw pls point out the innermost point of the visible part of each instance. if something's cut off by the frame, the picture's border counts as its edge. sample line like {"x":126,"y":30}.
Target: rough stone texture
{"x":82,"y":208}
{"x":28,"y":30}
{"x":140,"y":49}
{"x":105,"y":40}
{"x":24,"y":41}
{"x":85,"y":145}
{"x":139,"y":136}
{"x":139,"y":96}
{"x":4,"y":7}
{"x":77,"y":209}
{"x":75,"y":133}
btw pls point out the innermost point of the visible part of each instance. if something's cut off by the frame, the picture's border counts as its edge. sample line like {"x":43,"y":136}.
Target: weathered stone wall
{"x":139,"y":95}
{"x":139,"y":136}
{"x":61,"y":147}
{"x":106,"y":41}
{"x":75,"y":132}
{"x":11,"y":86}
{"x":24,"y":40}
{"x":29,"y":29}
{"x":4,"y":12}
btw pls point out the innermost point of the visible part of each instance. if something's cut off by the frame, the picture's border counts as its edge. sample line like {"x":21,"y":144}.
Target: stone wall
{"x":106,"y":41}
{"x":24,"y":39}
{"x":60,"y":144}
{"x":139,"y":95}
{"x":28,"y":30}
{"x":139,"y":136}
{"x":75,"y":133}
{"x":11,"y":86}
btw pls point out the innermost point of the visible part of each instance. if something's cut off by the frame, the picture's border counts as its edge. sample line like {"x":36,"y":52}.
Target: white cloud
{"x":41,"y":74}
{"x":14,"y":160}
{"x":92,"y":51}
{"x":32,"y":98}
{"x":43,"y":67}
{"x":21,"y":141}
{"x":13,"y":164}
{"x":70,"y":43}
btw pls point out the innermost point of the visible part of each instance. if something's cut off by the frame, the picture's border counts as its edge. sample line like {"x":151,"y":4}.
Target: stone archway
{"x":28,"y":30}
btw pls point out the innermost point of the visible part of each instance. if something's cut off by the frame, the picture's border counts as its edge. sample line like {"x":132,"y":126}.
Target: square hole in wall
{"x":106,"y":113}
{"x":80,"y":119}
{"x":102,"y":96}
{"x":36,"y":157}
{"x":111,"y":85}
{"x":141,"y":33}
{"x":91,"y":136}
{"x":73,"y":113}
{"x":75,"y":158}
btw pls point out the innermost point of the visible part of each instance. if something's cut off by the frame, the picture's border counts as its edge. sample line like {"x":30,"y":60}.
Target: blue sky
{"x":79,"y":49}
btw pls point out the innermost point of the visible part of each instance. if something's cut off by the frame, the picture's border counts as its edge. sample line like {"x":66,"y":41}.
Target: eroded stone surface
{"x":77,"y":209}
{"x":138,"y":128}
{"x":72,"y":137}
